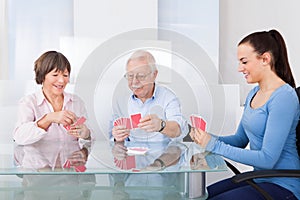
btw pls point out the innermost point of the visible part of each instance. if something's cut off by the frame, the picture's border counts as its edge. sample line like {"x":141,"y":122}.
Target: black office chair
{"x":249,"y":176}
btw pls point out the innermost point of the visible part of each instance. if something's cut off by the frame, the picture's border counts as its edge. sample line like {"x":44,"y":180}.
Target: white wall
{"x":3,"y":41}
{"x":105,"y":19}
{"x":239,"y":18}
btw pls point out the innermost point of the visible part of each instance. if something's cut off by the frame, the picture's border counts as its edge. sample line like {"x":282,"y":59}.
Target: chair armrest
{"x":265,"y":174}
{"x":232,"y":167}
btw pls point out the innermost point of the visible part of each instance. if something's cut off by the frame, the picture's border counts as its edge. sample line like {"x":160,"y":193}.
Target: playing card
{"x":127,"y":123}
{"x":67,"y":164}
{"x":79,"y":121}
{"x":192,"y":118}
{"x":129,"y":163}
{"x":203,"y":124}
{"x":198,"y":122}
{"x":117,"y":122}
{"x":123,"y":121}
{"x":80,"y":168}
{"x":135,"y":120}
{"x":137,"y":150}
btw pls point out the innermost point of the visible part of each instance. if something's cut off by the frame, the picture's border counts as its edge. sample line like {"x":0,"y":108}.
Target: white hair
{"x":144,"y":55}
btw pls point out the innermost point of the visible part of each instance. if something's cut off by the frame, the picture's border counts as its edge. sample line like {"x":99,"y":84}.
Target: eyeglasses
{"x":138,"y":76}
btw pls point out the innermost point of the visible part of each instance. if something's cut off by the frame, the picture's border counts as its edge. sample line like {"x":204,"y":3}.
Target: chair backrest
{"x":298,"y":126}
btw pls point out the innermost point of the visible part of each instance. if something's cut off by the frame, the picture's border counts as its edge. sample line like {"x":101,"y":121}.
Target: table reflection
{"x":148,"y":156}
{"x":159,"y":157}
{"x":52,"y":156}
{"x":163,"y":179}
{"x":129,"y":170}
{"x":48,"y":157}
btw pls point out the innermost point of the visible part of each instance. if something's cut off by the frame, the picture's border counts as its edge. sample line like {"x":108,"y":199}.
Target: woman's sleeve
{"x":282,"y":111}
{"x":26,"y":130}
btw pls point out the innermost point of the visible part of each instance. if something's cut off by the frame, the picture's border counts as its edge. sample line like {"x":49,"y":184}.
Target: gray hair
{"x":144,"y":55}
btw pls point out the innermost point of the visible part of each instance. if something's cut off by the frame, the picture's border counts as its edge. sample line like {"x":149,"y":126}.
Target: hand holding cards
{"x":129,"y":123}
{"x":79,"y":121}
{"x":198,"y":122}
{"x":123,"y":121}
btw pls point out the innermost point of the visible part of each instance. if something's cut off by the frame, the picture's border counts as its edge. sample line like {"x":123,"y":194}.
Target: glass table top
{"x":105,"y":157}
{"x":130,"y":170}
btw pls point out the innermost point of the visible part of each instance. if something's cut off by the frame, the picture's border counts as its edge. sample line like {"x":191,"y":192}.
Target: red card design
{"x":123,"y":121}
{"x":79,"y":121}
{"x":198,"y":122}
{"x":67,"y":164}
{"x":203,"y":124}
{"x":80,"y":168}
{"x":128,"y":123}
{"x":127,"y":163}
{"x":135,"y":120}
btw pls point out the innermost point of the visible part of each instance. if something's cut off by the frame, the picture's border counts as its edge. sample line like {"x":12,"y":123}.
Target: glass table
{"x":106,"y":170}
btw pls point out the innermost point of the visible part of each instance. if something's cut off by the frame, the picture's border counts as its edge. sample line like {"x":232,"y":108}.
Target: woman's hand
{"x":79,"y":131}
{"x":200,"y":137}
{"x":63,"y":117}
{"x":78,"y":158}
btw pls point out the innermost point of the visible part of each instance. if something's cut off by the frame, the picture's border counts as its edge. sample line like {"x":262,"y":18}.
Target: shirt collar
{"x":153,"y":95}
{"x":41,"y":97}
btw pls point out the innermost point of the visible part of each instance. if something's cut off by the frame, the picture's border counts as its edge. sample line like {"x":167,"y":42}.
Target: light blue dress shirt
{"x":163,"y":103}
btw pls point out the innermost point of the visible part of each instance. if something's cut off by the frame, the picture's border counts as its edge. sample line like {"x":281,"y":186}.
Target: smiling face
{"x":55,"y":82}
{"x":250,"y":63}
{"x":141,"y":78}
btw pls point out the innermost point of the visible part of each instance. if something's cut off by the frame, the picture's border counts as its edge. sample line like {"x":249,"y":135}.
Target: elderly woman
{"x":51,"y":113}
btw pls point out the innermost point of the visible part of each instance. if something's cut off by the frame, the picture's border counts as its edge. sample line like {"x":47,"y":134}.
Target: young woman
{"x":268,"y":123}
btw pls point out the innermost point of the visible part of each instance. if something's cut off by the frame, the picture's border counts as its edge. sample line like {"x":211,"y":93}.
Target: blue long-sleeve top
{"x":270,"y":131}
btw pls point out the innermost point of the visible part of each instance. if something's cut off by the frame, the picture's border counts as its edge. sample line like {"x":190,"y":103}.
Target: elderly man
{"x":160,"y":109}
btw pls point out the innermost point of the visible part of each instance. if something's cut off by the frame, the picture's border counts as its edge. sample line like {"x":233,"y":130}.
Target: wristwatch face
{"x":162,"y":125}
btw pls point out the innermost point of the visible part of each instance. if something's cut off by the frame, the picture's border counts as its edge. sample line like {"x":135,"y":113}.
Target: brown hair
{"x":272,"y":42}
{"x":49,"y":61}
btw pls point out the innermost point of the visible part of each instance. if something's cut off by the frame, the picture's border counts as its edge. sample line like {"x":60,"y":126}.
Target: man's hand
{"x":120,"y":133}
{"x":119,"y":151}
{"x":150,"y":123}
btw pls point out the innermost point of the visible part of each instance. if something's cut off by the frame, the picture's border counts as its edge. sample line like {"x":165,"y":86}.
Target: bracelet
{"x":162,"y":164}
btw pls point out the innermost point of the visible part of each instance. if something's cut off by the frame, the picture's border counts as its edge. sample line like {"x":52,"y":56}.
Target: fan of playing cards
{"x":129,"y":123}
{"x":79,"y":168}
{"x":198,"y":122}
{"x":127,"y":163}
{"x":79,"y":121}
